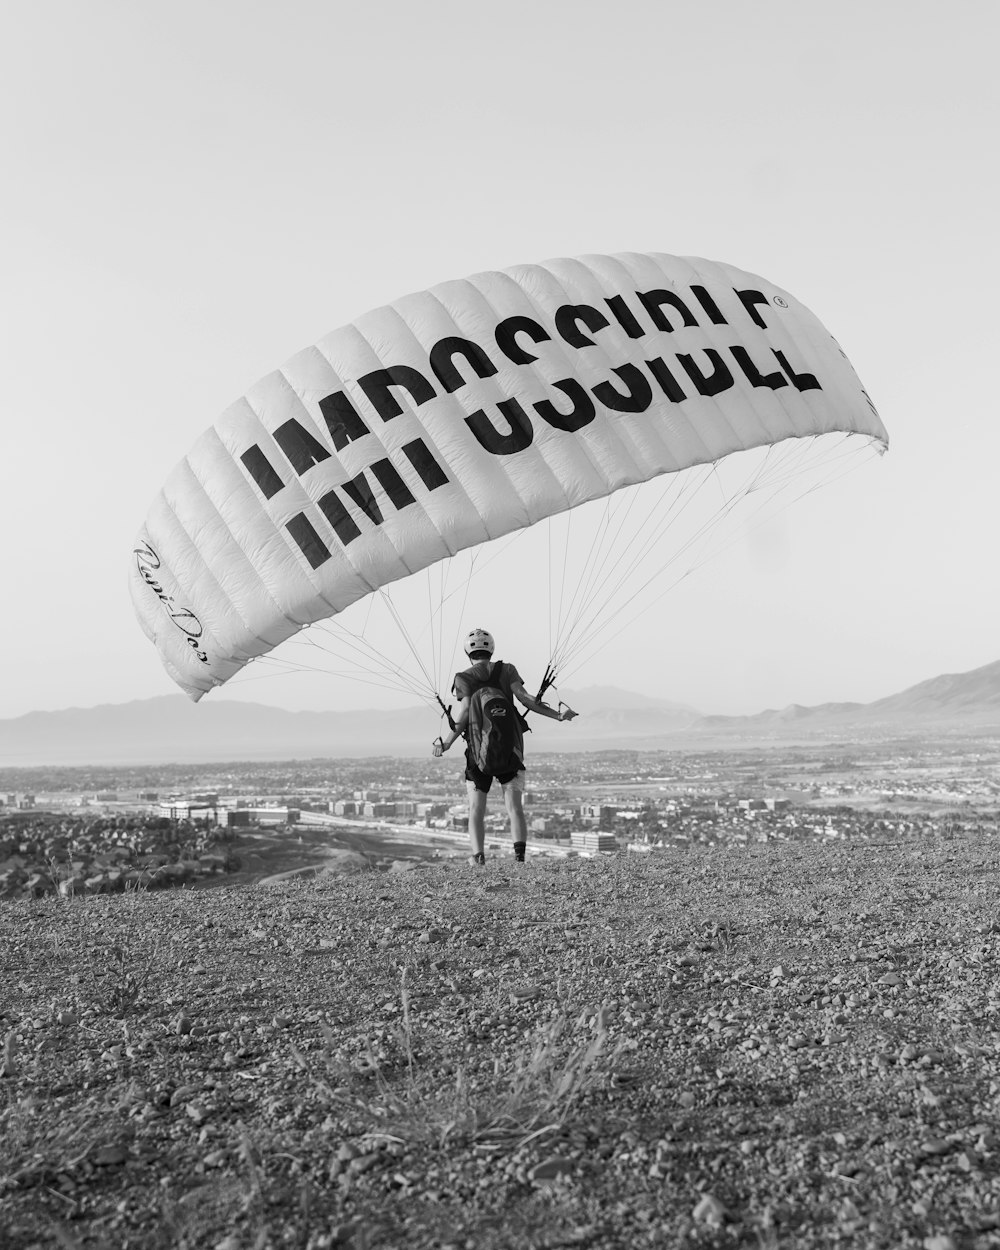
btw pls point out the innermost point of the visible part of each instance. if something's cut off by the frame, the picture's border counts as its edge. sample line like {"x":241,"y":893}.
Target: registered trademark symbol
{"x":780,"y":302}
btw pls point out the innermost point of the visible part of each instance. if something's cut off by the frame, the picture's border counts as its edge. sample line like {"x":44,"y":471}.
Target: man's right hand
{"x":439,"y":748}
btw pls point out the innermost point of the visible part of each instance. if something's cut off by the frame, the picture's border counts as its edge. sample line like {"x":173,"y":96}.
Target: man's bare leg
{"x":515,"y":810}
{"x":477,"y":818}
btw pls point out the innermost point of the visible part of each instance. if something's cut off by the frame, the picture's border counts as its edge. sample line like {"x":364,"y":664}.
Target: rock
{"x":548,"y":1169}
{"x":891,"y":978}
{"x":175,"y":874}
{"x":709,"y":1211}
{"x":363,"y":1163}
{"x":110,"y":1155}
{"x":403,"y":865}
{"x":939,"y":1241}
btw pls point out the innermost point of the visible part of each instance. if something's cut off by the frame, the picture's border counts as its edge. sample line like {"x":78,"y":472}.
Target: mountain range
{"x":172,"y":729}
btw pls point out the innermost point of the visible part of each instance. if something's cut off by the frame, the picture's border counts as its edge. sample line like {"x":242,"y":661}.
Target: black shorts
{"x":483,"y":781}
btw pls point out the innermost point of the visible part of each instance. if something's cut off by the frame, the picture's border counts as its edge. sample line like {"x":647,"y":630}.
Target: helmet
{"x":479,"y":640}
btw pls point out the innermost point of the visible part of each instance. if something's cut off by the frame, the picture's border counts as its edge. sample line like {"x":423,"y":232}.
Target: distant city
{"x":94,"y":830}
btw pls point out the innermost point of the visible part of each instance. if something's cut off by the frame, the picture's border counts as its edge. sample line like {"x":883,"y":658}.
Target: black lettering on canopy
{"x":668,"y":384}
{"x":709,"y":305}
{"x":262,"y":471}
{"x":581,"y":414}
{"x":653,"y":302}
{"x":750,"y":299}
{"x":506,"y":332}
{"x":301,"y":448}
{"x":637,"y":397}
{"x":377,"y":386}
{"x":443,"y":355}
{"x":720,"y":379}
{"x":359,"y":490}
{"x":342,"y":419}
{"x":422,"y":459}
{"x":623,"y":315}
{"x":388,"y":477}
{"x":309,"y":542}
{"x":495,"y":442}
{"x":754,"y":376}
{"x":344,"y":525}
{"x":801,"y":381}
{"x":568,"y":317}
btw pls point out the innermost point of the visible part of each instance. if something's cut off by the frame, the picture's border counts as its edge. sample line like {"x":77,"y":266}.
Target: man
{"x":479,"y":647}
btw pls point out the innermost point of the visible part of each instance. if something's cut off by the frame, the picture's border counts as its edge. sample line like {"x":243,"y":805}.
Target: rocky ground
{"x":780,"y":1046}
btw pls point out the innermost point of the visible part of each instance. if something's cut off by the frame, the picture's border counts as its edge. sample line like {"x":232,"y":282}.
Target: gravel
{"x":775,"y":1046}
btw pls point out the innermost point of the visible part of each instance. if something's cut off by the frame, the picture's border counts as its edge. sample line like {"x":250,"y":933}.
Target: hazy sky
{"x":194,"y":191}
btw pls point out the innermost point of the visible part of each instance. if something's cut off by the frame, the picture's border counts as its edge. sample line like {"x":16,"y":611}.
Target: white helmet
{"x":479,"y":640}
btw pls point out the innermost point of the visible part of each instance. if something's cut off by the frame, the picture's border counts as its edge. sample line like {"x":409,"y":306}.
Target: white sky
{"x":194,"y":191}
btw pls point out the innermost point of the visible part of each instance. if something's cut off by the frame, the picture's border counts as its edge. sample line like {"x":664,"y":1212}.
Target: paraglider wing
{"x":461,"y":414}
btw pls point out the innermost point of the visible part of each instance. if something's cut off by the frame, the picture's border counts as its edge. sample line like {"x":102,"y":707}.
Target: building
{"x":20,"y":800}
{"x":379,"y":810}
{"x":587,"y":840}
{"x":598,"y":813}
{"x":234,"y":817}
{"x":187,"y":809}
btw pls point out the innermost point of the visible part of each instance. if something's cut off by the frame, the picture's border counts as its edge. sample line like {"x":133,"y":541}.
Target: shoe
{"x":478,"y":861}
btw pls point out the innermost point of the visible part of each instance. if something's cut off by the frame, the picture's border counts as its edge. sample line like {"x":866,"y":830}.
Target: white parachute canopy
{"x":588,"y":396}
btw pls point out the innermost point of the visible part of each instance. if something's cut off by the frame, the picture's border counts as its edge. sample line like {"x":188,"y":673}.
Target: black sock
{"x":519,"y":848}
